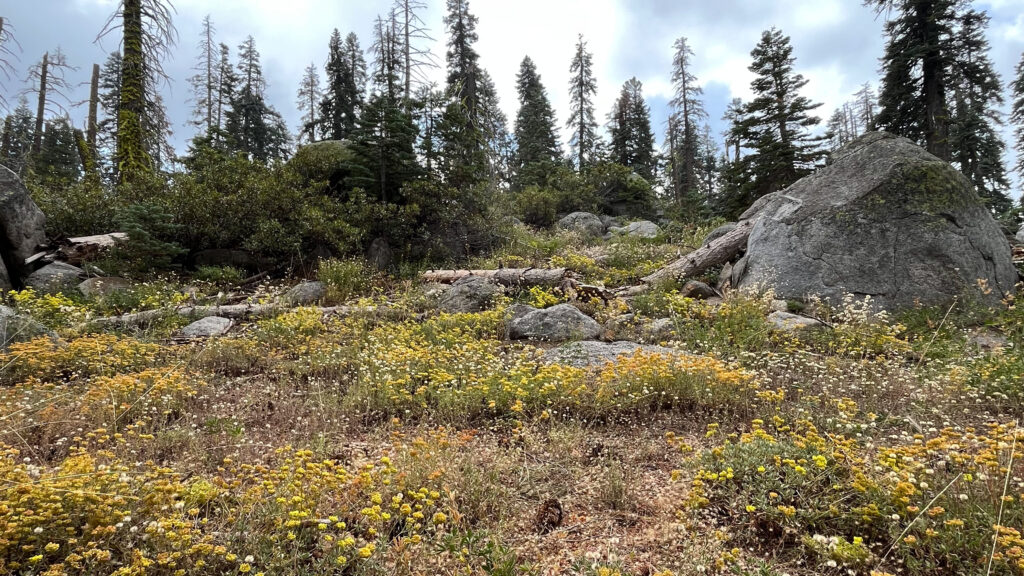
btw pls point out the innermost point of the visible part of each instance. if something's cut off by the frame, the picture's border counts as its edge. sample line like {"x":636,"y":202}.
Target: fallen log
{"x":715,"y":253}
{"x":503,"y":276}
{"x":232,"y":311}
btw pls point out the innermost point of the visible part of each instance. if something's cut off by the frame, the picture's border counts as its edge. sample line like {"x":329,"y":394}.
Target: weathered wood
{"x":503,"y":276}
{"x":84,"y":247}
{"x":717,"y":252}
{"x":232,"y":311}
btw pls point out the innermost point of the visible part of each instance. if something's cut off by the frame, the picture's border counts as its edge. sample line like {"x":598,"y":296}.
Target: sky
{"x":836,"y":43}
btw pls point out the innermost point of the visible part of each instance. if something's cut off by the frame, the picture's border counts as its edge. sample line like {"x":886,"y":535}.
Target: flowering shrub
{"x":462,"y":372}
{"x":931,"y":503}
{"x":53,"y":310}
{"x":95,"y":514}
{"x":96,"y":355}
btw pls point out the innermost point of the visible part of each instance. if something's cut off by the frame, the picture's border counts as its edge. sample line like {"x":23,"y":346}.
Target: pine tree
{"x":582,"y":90}
{"x":346,"y":80}
{"x":227,"y":85}
{"x":975,"y":142}
{"x":205,"y":81}
{"x":688,"y":112}
{"x":917,"y":56}
{"x":735,"y":115}
{"x":775,"y":127}
{"x":307,"y":99}
{"x":865,"y":104}
{"x":498,"y":143}
{"x":1017,"y":117}
{"x":632,"y":139}
{"x":464,"y":158}
{"x":535,"y":136}
{"x":57,"y":161}
{"x":253,"y":127}
{"x":17,"y":139}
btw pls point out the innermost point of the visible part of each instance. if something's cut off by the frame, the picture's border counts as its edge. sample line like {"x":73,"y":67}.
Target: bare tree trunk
{"x":719,"y":251}
{"x":503,"y":276}
{"x":37,"y":138}
{"x":94,"y":101}
{"x":937,"y":128}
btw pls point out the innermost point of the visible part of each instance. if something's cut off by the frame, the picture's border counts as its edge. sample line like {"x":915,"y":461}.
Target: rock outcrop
{"x":885,"y":219}
{"x":584,"y":222}
{"x":22,"y":229}
{"x":556,"y":324}
{"x":469,"y":294}
{"x":55,"y":277}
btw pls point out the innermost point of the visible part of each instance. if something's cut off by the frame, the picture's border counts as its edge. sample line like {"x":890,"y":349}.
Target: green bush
{"x":345,"y":278}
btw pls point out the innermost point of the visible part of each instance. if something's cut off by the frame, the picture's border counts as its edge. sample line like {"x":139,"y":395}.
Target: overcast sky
{"x":836,"y":42}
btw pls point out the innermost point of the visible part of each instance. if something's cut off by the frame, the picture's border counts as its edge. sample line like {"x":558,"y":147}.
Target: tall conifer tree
{"x":582,"y":91}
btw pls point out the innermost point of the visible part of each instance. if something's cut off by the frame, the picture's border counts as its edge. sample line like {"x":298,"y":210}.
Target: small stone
{"x":55,"y":277}
{"x":786,"y":322}
{"x":697,"y":290}
{"x":99,"y":287}
{"x":207,"y":327}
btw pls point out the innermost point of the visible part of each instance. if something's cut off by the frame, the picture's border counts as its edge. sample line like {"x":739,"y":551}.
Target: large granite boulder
{"x":885,"y":219}
{"x":55,"y":277}
{"x":556,"y":324}
{"x":583,"y":222}
{"x":590,"y":353}
{"x":22,"y":225}
{"x":469,"y":294}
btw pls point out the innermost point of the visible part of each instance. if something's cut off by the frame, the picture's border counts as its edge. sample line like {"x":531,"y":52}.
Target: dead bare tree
{"x":413,"y":34}
{"x":47,"y":81}
{"x":7,"y":57}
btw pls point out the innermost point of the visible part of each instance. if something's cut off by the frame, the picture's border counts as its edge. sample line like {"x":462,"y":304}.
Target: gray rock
{"x":642,"y":229}
{"x":659,"y":330}
{"x":55,"y":277}
{"x":778,"y":306}
{"x":98,"y":287}
{"x":596,"y":354}
{"x":22,"y":225}
{"x":724,"y":277}
{"x":584,"y":222}
{"x":609,"y":221}
{"x":697,"y":290}
{"x":885,"y":219}
{"x":556,"y":324}
{"x":207,"y":327}
{"x":988,"y":340}
{"x":1020,"y":234}
{"x":719,"y":232}
{"x":306,"y":294}
{"x":17,"y":328}
{"x":469,"y":294}
{"x":517,"y":311}
{"x":380,"y":254}
{"x":786,"y":322}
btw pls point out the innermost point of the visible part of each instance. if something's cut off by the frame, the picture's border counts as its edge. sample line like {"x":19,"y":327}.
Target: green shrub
{"x":345,"y":278}
{"x":219,"y":274}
